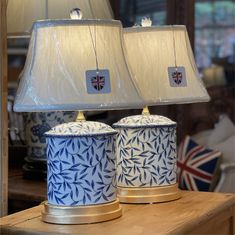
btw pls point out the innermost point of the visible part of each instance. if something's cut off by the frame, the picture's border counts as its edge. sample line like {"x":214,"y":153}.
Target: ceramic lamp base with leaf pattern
{"x":81,"y":178}
{"x":146,"y":159}
{"x":36,"y":124}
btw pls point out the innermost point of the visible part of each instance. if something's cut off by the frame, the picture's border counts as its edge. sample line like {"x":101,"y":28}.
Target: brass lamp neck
{"x":80,"y":117}
{"x":145,"y":111}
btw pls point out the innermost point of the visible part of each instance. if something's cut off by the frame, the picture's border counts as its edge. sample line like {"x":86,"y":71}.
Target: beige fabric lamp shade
{"x":22,"y":13}
{"x":59,"y":56}
{"x":150,"y":52}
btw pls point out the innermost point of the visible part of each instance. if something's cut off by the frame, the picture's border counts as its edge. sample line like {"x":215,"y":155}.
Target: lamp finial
{"x":76,"y":14}
{"x":146,"y":22}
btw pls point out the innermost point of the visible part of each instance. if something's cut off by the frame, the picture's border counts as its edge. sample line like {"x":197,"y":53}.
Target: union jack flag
{"x":196,"y":165}
{"x":177,"y":77}
{"x":98,"y":82}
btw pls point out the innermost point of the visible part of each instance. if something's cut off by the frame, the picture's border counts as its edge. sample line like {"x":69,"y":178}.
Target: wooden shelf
{"x":17,"y":51}
{"x":23,"y":193}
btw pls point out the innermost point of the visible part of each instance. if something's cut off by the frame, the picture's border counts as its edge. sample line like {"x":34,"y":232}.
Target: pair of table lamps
{"x":96,"y":65}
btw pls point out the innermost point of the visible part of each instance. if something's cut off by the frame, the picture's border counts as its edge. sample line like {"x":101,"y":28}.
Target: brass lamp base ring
{"x":81,"y":214}
{"x":148,"y":195}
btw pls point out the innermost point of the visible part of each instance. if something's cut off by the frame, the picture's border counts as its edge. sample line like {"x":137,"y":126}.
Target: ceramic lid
{"x":85,"y":128}
{"x":144,"y":121}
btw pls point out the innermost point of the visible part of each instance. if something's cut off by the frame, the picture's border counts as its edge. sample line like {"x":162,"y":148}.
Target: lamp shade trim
{"x":72,"y":107}
{"x":153,"y":28}
{"x":63,"y":22}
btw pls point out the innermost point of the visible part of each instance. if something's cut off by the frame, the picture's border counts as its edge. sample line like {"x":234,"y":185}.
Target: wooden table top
{"x":175,"y":217}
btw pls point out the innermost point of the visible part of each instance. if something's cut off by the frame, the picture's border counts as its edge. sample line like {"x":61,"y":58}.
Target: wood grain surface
{"x":194,"y":213}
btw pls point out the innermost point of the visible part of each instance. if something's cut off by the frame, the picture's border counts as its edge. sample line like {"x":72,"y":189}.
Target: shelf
{"x":23,"y":193}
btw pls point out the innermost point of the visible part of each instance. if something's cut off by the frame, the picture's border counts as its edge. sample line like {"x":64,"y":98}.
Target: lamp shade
{"x":61,"y":56}
{"x":156,"y":55}
{"x":22,"y":13}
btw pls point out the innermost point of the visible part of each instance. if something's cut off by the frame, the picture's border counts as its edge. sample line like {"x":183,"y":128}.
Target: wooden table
{"x":195,"y":213}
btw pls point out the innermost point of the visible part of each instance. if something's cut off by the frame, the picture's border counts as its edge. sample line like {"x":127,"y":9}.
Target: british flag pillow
{"x":197,"y":166}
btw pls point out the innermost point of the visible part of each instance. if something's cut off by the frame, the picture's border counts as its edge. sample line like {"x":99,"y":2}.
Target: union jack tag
{"x":98,"y":81}
{"x":177,"y":76}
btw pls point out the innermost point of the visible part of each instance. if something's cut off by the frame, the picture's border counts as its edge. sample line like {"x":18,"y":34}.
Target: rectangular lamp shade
{"x":60,"y":57}
{"x":156,"y":56}
{"x":22,"y":13}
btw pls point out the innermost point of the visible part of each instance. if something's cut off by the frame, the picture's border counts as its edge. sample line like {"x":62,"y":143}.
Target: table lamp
{"x":78,"y":65}
{"x":22,"y":13}
{"x":163,"y":66}
{"x":20,"y":16}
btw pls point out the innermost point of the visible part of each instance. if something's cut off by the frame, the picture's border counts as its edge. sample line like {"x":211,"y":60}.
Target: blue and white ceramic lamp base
{"x":81,"y":178}
{"x":146,"y":159}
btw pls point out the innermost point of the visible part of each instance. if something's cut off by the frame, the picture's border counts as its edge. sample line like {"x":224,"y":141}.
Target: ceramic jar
{"x":36,"y":124}
{"x":81,"y":164}
{"x":146,"y":151}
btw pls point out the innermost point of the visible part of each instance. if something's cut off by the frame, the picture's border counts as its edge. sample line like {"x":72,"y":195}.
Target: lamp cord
{"x":94,"y":46}
{"x":174,"y":45}
{"x":46,"y":9}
